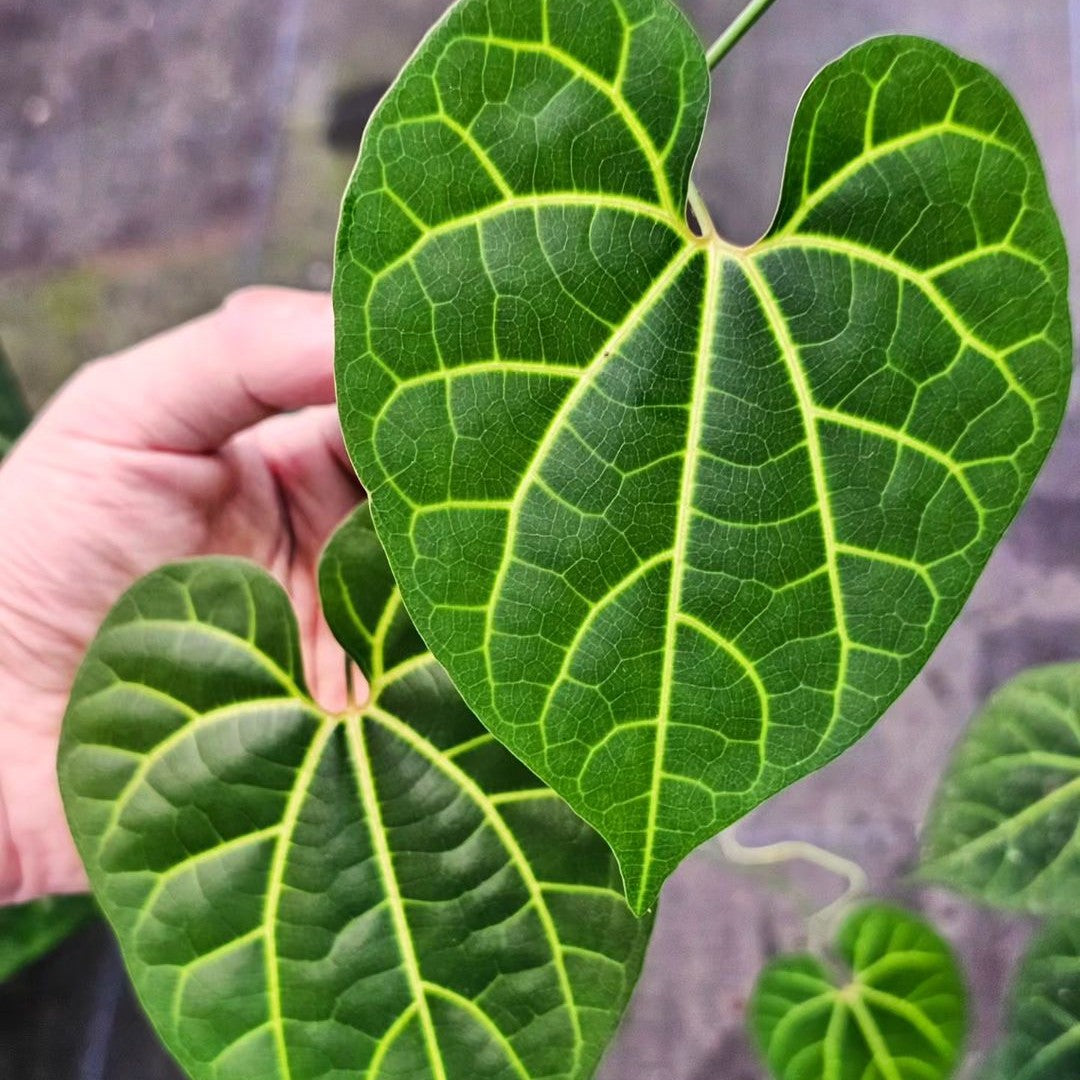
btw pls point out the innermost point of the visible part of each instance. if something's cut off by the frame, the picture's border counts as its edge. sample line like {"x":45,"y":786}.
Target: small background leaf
{"x":1042,"y":1039}
{"x":898,"y":1011}
{"x":1005,"y":827}
{"x":298,"y":895}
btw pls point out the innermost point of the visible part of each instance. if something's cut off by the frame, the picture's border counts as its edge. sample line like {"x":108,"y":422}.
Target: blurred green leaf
{"x":1042,"y":1039}
{"x":31,"y":930}
{"x":1005,"y":827}
{"x":14,"y":415}
{"x":899,"y":1011}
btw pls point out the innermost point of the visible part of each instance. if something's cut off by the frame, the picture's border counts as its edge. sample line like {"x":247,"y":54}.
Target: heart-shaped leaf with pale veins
{"x":1005,"y":827}
{"x":900,"y":1013}
{"x":681,"y":519}
{"x":383,"y":893}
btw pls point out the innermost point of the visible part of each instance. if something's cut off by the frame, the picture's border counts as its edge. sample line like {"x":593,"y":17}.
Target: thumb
{"x":189,"y":390}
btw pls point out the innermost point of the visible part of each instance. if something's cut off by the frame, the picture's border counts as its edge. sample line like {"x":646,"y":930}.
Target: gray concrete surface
{"x":154,"y":155}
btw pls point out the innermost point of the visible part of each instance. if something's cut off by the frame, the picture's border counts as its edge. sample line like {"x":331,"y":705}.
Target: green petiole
{"x":735,"y":32}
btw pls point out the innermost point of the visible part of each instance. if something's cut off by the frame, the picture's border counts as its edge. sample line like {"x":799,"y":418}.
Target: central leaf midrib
{"x":875,"y":1042}
{"x":491,"y":814}
{"x":275,"y":884}
{"x":652,"y":296}
{"x":687,"y":490}
{"x":373,"y":817}
{"x":832,"y":1046}
{"x":807,"y":407}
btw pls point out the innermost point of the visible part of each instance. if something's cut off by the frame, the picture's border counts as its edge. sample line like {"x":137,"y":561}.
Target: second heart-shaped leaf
{"x":307,"y":896}
{"x":681,"y":519}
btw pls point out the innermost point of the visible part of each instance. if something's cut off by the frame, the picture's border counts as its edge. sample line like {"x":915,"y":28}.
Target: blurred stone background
{"x":156,"y":154}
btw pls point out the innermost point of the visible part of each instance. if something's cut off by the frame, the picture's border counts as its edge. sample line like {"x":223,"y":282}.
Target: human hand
{"x":188,"y":444}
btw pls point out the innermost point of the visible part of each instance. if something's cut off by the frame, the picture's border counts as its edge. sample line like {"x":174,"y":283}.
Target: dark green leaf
{"x":900,"y":1012}
{"x":31,"y":930}
{"x":13,"y":413}
{"x":1005,"y":827}
{"x":682,"y":519}
{"x":384,"y":893}
{"x":1042,"y":1040}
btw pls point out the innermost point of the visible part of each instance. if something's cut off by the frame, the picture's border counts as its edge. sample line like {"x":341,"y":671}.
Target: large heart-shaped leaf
{"x":384,"y":893}
{"x":900,"y":1013}
{"x":682,"y":519}
{"x":1005,"y":826}
{"x":1042,"y":1040}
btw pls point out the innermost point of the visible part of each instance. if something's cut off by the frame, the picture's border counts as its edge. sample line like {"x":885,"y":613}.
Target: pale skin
{"x":219,"y":437}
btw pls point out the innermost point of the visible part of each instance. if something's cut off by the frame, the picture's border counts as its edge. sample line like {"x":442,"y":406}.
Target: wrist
{"x":37,"y":855}
{"x":11,"y":874}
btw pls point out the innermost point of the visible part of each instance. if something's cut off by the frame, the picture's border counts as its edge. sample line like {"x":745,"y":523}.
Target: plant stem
{"x":350,"y":681}
{"x":734,"y":33}
{"x":701,"y":212}
{"x":821,"y":924}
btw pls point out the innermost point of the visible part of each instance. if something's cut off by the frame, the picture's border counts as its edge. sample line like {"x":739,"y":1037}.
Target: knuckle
{"x":86,"y":394}
{"x":88,"y":379}
{"x":255,"y":298}
{"x":271,"y":303}
{"x":247,"y":310}
{"x":245,"y":296}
